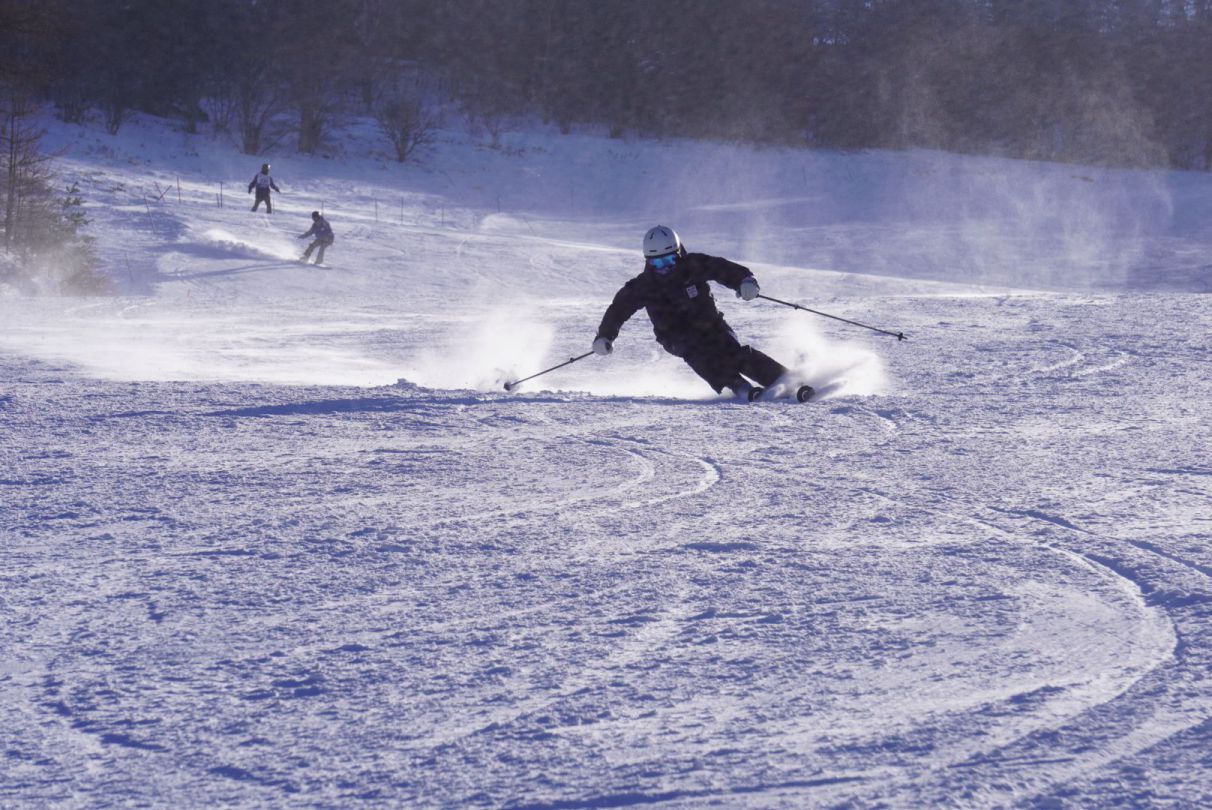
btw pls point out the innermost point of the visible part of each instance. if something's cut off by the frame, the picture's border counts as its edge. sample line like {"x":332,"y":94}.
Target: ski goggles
{"x":663,"y":262}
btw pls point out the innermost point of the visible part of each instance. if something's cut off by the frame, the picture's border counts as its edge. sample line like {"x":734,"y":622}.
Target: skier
{"x":673,"y":289}
{"x":262,"y":182}
{"x":324,"y":238}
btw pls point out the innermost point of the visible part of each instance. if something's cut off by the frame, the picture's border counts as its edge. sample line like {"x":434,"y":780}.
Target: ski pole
{"x":509,"y":386}
{"x":897,"y":335}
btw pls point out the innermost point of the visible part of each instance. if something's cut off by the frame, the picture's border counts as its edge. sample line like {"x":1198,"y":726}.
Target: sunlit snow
{"x":275,"y":535}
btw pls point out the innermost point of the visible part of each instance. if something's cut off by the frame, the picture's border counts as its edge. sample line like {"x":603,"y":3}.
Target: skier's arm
{"x":722,"y":271}
{"x":252,"y":184}
{"x":274,"y":185}
{"x":626,"y":303}
{"x":310,"y":231}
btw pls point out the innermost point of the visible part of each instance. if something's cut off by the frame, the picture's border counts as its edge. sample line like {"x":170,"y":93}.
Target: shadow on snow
{"x":432,"y":401}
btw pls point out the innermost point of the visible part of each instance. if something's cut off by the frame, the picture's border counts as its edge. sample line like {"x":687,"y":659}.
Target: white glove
{"x":602,"y":347}
{"x":749,"y":289}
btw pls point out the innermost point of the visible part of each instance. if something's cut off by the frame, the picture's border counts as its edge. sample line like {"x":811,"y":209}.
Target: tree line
{"x":1102,"y":81}
{"x":1107,"y":81}
{"x":1113,"y":82}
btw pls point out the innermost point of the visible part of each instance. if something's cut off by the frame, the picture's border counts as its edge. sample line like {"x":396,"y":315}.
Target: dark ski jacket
{"x":262,"y":182}
{"x":679,"y":303}
{"x":321,"y":230}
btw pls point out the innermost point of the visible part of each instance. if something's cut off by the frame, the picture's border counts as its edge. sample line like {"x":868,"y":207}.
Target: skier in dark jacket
{"x":673,"y":289}
{"x":324,"y":238}
{"x":262,"y":182}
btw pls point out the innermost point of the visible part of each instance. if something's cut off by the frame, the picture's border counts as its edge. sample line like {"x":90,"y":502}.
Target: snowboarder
{"x":324,"y":238}
{"x":262,"y":182}
{"x":673,"y":289}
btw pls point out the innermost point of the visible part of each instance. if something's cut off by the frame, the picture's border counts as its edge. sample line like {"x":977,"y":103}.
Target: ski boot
{"x":742,"y":389}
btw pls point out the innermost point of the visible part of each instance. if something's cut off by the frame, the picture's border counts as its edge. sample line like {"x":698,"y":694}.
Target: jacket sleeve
{"x":252,"y":183}
{"x":627,"y":301}
{"x":310,"y":231}
{"x":722,"y":271}
{"x":274,"y":185}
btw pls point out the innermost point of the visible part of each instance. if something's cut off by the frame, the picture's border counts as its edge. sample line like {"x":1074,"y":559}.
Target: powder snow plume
{"x":269,"y":245}
{"x":499,"y":347}
{"x":831,"y":366}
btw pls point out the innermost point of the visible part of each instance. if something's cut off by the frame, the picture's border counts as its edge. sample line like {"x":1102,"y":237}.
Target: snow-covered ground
{"x":274,"y":535}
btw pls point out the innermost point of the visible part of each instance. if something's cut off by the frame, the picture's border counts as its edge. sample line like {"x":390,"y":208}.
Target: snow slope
{"x":275,"y":536}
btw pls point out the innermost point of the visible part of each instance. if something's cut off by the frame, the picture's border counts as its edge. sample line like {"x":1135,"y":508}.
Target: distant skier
{"x":262,"y":182}
{"x":324,"y":238}
{"x":673,"y":289}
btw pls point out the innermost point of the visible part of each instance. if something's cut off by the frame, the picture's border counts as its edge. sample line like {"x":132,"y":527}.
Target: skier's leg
{"x":320,"y":255}
{"x":718,"y":376}
{"x":716,"y":357}
{"x":269,"y":204}
{"x":760,"y":367}
{"x":712,"y":353}
{"x":307,"y":253}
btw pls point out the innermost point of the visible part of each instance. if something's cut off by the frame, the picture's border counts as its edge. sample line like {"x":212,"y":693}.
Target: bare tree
{"x":220,"y":106}
{"x":25,"y":167}
{"x":257,"y":103}
{"x":318,"y":110}
{"x":116,"y":112}
{"x":407,"y":120}
{"x":41,"y":227}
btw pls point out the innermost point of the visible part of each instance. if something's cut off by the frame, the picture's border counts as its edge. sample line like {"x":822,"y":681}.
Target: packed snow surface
{"x":274,"y":535}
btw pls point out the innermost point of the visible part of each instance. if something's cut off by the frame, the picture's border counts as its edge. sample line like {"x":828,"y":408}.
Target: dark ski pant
{"x":720,"y":359}
{"x":263,"y":197}
{"x":323,"y":244}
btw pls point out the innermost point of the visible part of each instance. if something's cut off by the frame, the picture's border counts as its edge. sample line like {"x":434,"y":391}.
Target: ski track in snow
{"x":979,"y":579}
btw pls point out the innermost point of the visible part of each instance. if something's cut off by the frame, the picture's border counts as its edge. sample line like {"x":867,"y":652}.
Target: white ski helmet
{"x":660,"y":241}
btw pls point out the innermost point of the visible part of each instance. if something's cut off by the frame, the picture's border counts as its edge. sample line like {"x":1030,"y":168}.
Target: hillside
{"x":274,"y":535}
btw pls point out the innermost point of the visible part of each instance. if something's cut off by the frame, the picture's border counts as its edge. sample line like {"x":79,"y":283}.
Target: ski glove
{"x":602,"y":346}
{"x":749,"y":289}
